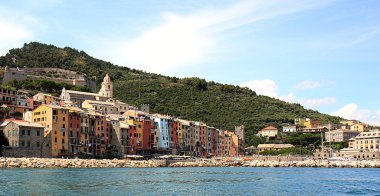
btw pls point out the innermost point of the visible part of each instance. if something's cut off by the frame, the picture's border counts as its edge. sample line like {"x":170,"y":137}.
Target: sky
{"x":322,"y":54}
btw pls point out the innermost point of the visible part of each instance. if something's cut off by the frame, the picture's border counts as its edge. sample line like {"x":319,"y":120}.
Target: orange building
{"x":55,"y":119}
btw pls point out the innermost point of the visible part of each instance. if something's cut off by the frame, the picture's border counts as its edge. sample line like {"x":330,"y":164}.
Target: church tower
{"x":107,"y":87}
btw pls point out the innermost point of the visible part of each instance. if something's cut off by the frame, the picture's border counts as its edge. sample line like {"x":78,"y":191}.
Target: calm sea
{"x":190,"y":181}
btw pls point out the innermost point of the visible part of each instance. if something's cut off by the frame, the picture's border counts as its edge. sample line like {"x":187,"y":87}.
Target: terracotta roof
{"x":83,"y":93}
{"x":270,"y":128}
{"x":279,"y":146}
{"x":25,"y":123}
{"x":184,"y":122}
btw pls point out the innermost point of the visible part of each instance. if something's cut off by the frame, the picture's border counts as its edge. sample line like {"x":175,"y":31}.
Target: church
{"x":76,"y":98}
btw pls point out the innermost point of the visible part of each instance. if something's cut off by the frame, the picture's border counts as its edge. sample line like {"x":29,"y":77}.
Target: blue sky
{"x":323,"y":54}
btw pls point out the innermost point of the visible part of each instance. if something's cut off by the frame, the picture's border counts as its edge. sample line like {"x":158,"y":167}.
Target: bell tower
{"x":107,"y":87}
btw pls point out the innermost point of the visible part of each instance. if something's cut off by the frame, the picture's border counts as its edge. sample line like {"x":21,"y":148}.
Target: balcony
{"x":62,"y":129}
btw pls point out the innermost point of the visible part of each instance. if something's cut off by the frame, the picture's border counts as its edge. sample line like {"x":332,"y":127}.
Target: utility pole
{"x":322,"y":139}
{"x":330,"y":140}
{"x":139,"y":87}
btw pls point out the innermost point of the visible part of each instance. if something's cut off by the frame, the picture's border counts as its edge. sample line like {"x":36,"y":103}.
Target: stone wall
{"x":70,"y":77}
{"x":27,"y":152}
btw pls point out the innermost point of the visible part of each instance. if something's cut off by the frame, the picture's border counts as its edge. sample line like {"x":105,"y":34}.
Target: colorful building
{"x":360,"y":127}
{"x":161,"y":132}
{"x":74,"y":130}
{"x":55,"y":119}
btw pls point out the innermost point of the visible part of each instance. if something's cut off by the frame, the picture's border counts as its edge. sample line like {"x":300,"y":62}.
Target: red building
{"x":148,"y":136}
{"x":132,"y":139}
{"x":74,"y":131}
{"x":174,"y":134}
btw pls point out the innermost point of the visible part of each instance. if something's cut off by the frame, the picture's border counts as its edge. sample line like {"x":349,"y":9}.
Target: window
{"x":55,"y":140}
{"x":22,"y":143}
{"x":38,"y":132}
{"x":63,"y":119}
{"x":22,"y":132}
{"x":38,"y":144}
{"x":28,"y":143}
{"x":28,"y":132}
{"x":63,"y":141}
{"x":63,"y":133}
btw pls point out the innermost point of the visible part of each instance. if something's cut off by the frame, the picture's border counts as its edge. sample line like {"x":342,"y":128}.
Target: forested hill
{"x":219,"y":105}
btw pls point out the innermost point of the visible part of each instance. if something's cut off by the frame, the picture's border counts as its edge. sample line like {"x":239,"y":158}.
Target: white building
{"x":77,"y":97}
{"x":161,"y":132}
{"x":268,"y":132}
{"x":289,"y":128}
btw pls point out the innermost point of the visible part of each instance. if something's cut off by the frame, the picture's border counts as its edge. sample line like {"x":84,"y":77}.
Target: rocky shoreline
{"x":281,"y":163}
{"x":76,"y":163}
{"x":116,"y":163}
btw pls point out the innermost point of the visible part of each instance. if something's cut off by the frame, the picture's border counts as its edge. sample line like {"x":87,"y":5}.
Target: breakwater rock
{"x":279,"y":163}
{"x":76,"y":163}
{"x":236,"y":162}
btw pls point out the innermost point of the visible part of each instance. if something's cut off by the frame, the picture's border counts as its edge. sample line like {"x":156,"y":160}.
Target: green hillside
{"x":219,"y":105}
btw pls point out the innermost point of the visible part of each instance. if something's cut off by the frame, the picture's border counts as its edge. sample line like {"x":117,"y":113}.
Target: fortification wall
{"x":52,"y":74}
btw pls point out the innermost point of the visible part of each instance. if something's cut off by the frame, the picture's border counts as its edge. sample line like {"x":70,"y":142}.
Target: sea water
{"x":190,"y":181}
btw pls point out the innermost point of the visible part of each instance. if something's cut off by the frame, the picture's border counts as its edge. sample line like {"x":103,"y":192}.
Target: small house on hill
{"x":268,"y":132}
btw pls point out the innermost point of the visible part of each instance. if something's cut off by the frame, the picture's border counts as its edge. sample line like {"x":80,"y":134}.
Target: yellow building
{"x":55,"y":120}
{"x":357,"y":127}
{"x":234,"y":143}
{"x":349,"y":122}
{"x":366,"y":141}
{"x":307,"y":123}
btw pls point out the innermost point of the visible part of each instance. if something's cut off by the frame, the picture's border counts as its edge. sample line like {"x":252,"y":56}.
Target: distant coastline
{"x":222,"y":162}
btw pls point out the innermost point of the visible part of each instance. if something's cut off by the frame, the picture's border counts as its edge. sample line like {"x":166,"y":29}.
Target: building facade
{"x":340,"y":135}
{"x":366,"y":141}
{"x":268,"y":132}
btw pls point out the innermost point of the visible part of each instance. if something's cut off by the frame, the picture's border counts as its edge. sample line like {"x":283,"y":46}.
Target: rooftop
{"x":279,"y":146}
{"x":83,"y":93}
{"x":23,"y":123}
{"x":269,"y":128}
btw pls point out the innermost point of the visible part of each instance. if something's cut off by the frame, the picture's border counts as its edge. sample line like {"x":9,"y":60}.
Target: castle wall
{"x":71,"y":77}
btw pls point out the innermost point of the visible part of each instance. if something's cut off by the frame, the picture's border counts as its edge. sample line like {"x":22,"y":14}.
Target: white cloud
{"x":308,"y":84}
{"x":269,"y":88}
{"x":12,"y":35}
{"x":263,"y":87}
{"x":182,"y":40}
{"x":290,"y":97}
{"x":352,"y":111}
{"x":15,"y":29}
{"x":317,"y":102}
